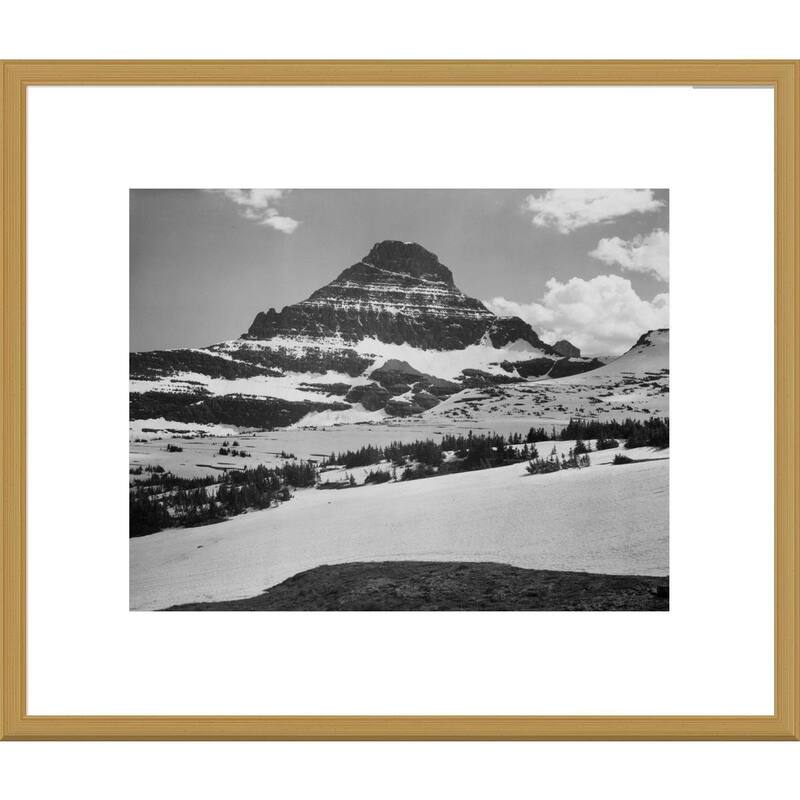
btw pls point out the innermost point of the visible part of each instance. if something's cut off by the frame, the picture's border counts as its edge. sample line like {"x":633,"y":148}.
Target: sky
{"x":587,"y":265}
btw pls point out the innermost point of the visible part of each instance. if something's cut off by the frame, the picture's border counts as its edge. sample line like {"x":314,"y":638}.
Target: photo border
{"x":782,"y":76}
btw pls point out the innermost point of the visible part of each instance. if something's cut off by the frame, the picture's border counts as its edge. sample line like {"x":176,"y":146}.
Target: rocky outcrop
{"x":425,"y":399}
{"x":371,"y":395}
{"x":397,"y":377}
{"x":559,"y":368}
{"x":569,"y":366}
{"x":330,"y":389}
{"x":396,"y":373}
{"x":650,"y":338}
{"x":532,"y":368}
{"x":439,"y":387}
{"x":566,"y":349}
{"x":507,"y":330}
{"x":402,"y":408}
{"x":374,"y":397}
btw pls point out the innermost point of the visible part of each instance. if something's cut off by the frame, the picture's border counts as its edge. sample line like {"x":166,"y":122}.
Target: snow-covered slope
{"x":649,"y":356}
{"x":634,"y":385}
{"x":569,"y":520}
{"x":447,"y":364}
{"x":293,"y":370}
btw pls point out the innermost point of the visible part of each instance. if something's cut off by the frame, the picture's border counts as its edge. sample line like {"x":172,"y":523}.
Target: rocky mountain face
{"x":392,"y":335}
{"x":399,"y":293}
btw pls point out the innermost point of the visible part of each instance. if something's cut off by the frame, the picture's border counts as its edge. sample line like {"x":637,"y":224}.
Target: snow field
{"x":601,"y":519}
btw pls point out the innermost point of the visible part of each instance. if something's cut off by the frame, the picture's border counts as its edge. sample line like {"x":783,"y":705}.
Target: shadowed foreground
{"x":450,"y":586}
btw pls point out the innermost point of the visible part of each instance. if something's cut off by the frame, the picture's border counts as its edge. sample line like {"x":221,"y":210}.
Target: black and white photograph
{"x":399,"y":399}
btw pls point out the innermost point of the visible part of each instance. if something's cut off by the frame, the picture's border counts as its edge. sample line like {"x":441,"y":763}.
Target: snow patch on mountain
{"x":163,"y":428}
{"x":448,"y":363}
{"x":295,"y":386}
{"x":441,"y":363}
{"x":352,"y":416}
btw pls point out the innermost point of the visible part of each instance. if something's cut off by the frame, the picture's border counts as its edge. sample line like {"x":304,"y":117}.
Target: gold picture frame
{"x":783,"y":77}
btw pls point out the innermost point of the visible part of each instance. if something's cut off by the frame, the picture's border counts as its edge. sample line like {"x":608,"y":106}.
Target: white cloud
{"x":601,"y":316}
{"x":648,"y":254}
{"x":570,"y":209}
{"x":253,"y":198}
{"x":260,"y":205}
{"x":283,"y":224}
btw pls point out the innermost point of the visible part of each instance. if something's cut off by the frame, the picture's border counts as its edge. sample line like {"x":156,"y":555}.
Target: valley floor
{"x":200,"y":456}
{"x":602,"y":519}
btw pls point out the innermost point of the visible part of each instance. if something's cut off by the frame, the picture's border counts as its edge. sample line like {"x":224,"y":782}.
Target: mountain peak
{"x":399,"y":293}
{"x":408,"y":258}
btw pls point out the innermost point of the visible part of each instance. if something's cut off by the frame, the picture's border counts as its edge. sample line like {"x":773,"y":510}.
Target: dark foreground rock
{"x":450,"y":586}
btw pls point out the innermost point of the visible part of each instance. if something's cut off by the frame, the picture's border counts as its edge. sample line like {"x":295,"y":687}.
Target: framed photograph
{"x":431,"y":372}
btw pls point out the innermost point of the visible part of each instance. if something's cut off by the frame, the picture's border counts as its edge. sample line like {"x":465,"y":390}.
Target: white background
{"x":711,"y":654}
{"x":411,"y":29}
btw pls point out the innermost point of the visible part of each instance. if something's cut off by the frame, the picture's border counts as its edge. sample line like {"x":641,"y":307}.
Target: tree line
{"x":576,"y":458}
{"x":652,"y":432}
{"x":491,"y":449}
{"x":165,"y":500}
{"x":162,"y":499}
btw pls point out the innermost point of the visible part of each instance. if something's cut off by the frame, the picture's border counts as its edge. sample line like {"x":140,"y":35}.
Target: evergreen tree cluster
{"x":606,"y":444}
{"x":540,"y":435}
{"x":575,"y":459}
{"x":162,"y":500}
{"x":298,"y":473}
{"x":241,"y":410}
{"x":229,"y":451}
{"x":166,"y":500}
{"x":425,"y":451}
{"x":416,"y":471}
{"x":158,"y":483}
{"x":377,"y":476}
{"x":357,"y":458}
{"x":425,"y":457}
{"x":652,"y":432}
